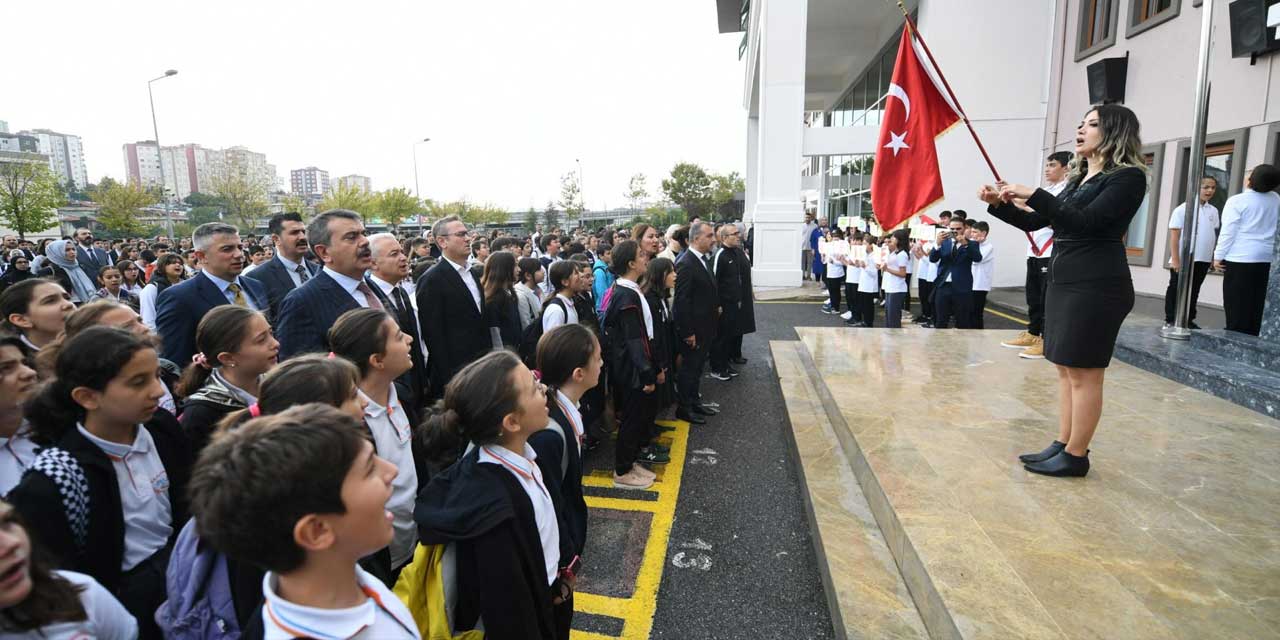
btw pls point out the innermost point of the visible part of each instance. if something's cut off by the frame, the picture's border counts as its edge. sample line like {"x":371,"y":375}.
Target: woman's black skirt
{"x":1082,"y":320}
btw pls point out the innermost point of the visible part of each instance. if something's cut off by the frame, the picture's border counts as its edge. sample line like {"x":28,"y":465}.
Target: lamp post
{"x":155,"y":130}
{"x":582,"y":197}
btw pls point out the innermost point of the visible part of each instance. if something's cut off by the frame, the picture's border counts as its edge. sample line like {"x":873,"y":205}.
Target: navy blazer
{"x":91,"y":260}
{"x":180,"y":307}
{"x":956,"y":261}
{"x":454,"y":329}
{"x":274,"y":275}
{"x":307,"y":313}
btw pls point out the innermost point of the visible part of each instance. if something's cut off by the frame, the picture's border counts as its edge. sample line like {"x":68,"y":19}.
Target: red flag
{"x":905,"y":178}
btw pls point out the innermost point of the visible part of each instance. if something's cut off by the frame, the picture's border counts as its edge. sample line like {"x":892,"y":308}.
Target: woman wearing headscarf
{"x":19,"y":269}
{"x":61,"y":257}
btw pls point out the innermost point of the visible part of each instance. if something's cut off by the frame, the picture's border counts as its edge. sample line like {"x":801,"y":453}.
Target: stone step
{"x":1246,"y":349}
{"x":866,"y":595}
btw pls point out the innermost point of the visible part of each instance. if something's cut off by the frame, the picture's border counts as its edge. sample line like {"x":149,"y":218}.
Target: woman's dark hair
{"x":560,"y":273}
{"x":638,"y":231}
{"x":655,"y":275}
{"x":222,"y":330}
{"x":125,"y":265}
{"x":148,"y":256}
{"x":623,"y":255}
{"x":903,"y":238}
{"x":563,"y":349}
{"x":1121,"y":144}
{"x":528,"y":267}
{"x":157,"y":275}
{"x":359,"y":334}
{"x":475,"y":402}
{"x":1264,"y":178}
{"x":52,"y":599}
{"x":91,"y":358}
{"x":17,"y":299}
{"x":836,"y":232}
{"x":89,"y":315}
{"x":499,"y":277}
{"x":300,"y":380}
{"x":103,"y":271}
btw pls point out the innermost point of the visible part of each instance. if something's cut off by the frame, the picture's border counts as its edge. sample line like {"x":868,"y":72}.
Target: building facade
{"x":817,"y":71}
{"x":362,"y":183}
{"x":66,"y":155}
{"x":309,"y":181}
{"x":191,"y":168}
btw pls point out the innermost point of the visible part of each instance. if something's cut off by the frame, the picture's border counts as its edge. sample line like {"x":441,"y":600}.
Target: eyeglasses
{"x":458,"y":234}
{"x":538,"y":385}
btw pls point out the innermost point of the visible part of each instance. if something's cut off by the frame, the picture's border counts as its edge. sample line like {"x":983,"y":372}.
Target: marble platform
{"x":1175,"y":533}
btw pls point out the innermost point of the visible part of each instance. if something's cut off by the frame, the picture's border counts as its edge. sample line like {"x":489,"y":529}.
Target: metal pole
{"x":417,"y":190}
{"x":155,"y":130}
{"x":1181,"y":329}
{"x":582,"y":192}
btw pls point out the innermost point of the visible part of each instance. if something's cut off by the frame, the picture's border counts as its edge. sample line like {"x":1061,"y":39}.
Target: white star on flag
{"x":897,"y":142}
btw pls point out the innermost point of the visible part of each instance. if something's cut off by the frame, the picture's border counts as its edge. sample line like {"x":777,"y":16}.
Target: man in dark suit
{"x":696,"y":309}
{"x":737,"y":313}
{"x":953,"y":291}
{"x":337,"y":237}
{"x":90,"y":257}
{"x":451,"y":308}
{"x":289,"y":269}
{"x":390,"y":268}
{"x":180,"y":307}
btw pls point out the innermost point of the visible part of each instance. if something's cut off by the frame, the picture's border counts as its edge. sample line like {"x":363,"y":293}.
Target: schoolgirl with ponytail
{"x":493,"y":505}
{"x":109,"y":493}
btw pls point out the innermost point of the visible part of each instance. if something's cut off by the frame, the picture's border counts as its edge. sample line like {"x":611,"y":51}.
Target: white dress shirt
{"x":1206,"y":231}
{"x":895,"y":283}
{"x":292,"y":268}
{"x":544,"y":511}
{"x":349,"y":285}
{"x":16,"y":454}
{"x":984,"y":269}
{"x":1042,"y":237}
{"x":465,"y":274}
{"x":391,"y":439}
{"x":1248,"y":227}
{"x":224,"y":287}
{"x":382,"y":616}
{"x":144,"y":494}
{"x":554,"y":316}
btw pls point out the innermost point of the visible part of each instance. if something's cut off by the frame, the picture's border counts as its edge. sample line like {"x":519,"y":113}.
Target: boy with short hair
{"x":302,"y":494}
{"x":983,"y":272}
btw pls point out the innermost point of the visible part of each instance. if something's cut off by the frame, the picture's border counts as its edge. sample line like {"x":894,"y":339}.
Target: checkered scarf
{"x":65,"y":472}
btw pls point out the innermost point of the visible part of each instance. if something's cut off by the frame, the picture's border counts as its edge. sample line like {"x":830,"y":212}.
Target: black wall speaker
{"x":1106,"y":80}
{"x":1249,"y":32}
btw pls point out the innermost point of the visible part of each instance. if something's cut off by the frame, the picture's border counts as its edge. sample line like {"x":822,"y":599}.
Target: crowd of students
{"x":366,"y":436}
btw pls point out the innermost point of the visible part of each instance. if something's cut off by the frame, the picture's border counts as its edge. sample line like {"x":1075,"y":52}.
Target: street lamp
{"x":582,"y":193}
{"x":155,"y":130}
{"x":416,"y":189}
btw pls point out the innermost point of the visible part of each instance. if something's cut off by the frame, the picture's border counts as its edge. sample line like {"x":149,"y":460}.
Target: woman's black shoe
{"x":1048,"y":452}
{"x":1063,"y":465}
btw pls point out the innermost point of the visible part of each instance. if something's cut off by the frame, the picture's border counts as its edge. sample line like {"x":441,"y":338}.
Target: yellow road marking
{"x":637,"y":611}
{"x":1008,"y":317}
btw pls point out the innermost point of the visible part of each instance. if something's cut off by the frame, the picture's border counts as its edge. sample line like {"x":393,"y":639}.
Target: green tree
{"x":121,"y":209}
{"x":571,"y":197}
{"x":243,"y":194}
{"x":200,"y":215}
{"x":689,"y":187}
{"x":197,"y":199}
{"x":349,"y":197}
{"x":29,"y":197}
{"x":531,"y":220}
{"x":295,"y":204}
{"x":550,"y":217}
{"x":637,"y":191}
{"x":395,"y":205}
{"x":723,"y":190}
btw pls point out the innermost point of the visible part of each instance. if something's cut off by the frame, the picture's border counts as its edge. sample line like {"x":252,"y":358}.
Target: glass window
{"x":1144,"y":14}
{"x":1135,"y":239}
{"x":1097,"y":26}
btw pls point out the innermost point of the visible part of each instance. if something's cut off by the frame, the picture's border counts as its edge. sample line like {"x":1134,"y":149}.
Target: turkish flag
{"x":905,"y":178}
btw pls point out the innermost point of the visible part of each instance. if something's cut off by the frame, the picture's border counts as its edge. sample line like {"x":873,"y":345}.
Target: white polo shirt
{"x":1206,"y":231}
{"x":392,"y":434}
{"x":1249,"y":223}
{"x":544,"y":511}
{"x":382,"y":616}
{"x":16,"y":454}
{"x":894,"y":283}
{"x":105,"y":617}
{"x":554,"y":316}
{"x":144,"y":494}
{"x":869,"y":279}
{"x":984,"y":270}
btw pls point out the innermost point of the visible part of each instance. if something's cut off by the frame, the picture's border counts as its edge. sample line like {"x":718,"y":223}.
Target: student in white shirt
{"x":852,"y":276}
{"x":1207,"y":223}
{"x":529,"y":289}
{"x":304,"y":494}
{"x":983,"y":272}
{"x":373,"y":341}
{"x":1246,"y":248}
{"x":17,"y":382}
{"x":868,"y":282}
{"x":895,"y":276}
{"x":559,"y":309}
{"x":833,"y":256}
{"x":38,"y":603}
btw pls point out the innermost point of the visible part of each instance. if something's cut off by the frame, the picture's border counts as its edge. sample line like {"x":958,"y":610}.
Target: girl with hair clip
{"x":234,"y":349}
{"x":36,"y":310}
{"x":501,"y":305}
{"x":569,"y":359}
{"x":108,"y":493}
{"x":493,"y":505}
{"x":37,"y":601}
{"x":17,"y":383}
{"x":529,"y":290}
{"x":629,"y":331}
{"x":169,"y":270}
{"x":110,"y":282}
{"x":372,"y":340}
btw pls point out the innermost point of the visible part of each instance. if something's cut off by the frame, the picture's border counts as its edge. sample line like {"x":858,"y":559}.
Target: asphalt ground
{"x":738,"y":561}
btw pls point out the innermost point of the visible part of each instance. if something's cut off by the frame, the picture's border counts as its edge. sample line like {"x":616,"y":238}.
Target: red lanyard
{"x":576,"y":430}
{"x":517,"y":470}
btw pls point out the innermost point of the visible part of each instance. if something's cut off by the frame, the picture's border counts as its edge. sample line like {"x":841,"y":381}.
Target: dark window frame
{"x":1083,"y":24}
{"x":1143,"y":257}
{"x":1239,"y":139}
{"x":1160,"y":17}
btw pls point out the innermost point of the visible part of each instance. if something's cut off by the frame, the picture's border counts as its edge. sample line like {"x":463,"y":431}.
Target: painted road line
{"x":638,"y":610}
{"x":587,"y":635}
{"x":1008,"y":317}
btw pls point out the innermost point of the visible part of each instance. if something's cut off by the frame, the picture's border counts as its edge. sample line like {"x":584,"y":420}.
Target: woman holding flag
{"x":1090,"y":290}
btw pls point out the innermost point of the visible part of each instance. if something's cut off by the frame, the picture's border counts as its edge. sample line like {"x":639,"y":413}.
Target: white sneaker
{"x":632,"y":480}
{"x":644,"y":471}
{"x":846,"y":315}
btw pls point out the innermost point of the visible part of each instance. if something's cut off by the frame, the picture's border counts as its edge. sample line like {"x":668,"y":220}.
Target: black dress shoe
{"x":690,"y":418}
{"x":1063,"y":465}
{"x":705,"y":410}
{"x":1048,"y":452}
{"x":738,"y":360}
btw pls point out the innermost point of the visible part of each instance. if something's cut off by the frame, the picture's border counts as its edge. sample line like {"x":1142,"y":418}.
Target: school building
{"x":816,"y":72}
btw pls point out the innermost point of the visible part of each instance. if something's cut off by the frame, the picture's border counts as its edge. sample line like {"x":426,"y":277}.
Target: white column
{"x":778,"y":212}
{"x":824,"y":164}
{"x":753,"y":165}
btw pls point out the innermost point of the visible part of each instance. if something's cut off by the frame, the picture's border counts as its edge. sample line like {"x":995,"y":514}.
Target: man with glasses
{"x":732,"y":271}
{"x":451,"y":308}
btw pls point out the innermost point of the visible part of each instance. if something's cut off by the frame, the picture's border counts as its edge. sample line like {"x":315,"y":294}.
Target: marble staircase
{"x":1174,"y":534}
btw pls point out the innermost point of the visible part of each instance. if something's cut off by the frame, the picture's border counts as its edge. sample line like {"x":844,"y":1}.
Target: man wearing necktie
{"x":695,"y":310}
{"x":91,"y":258}
{"x":289,"y":268}
{"x":451,"y":308}
{"x":390,"y":268}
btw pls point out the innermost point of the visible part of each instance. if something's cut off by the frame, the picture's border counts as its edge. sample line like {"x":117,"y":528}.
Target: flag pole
{"x":963,"y":116}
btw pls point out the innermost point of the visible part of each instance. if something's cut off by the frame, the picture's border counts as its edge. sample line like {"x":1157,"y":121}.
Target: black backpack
{"x":533,"y":333}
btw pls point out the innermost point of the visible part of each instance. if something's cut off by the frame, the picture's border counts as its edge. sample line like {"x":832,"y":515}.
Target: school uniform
{"x":630,"y":327}
{"x":895,"y":289}
{"x":833,"y":254}
{"x":381,"y":615}
{"x":392,"y":439}
{"x":852,"y":276}
{"x":17,"y":453}
{"x":204,"y":409}
{"x":559,"y":457}
{"x":1207,"y":223}
{"x":926,"y":272}
{"x":1246,"y":247}
{"x":868,"y":287}
{"x":105,"y":617}
{"x":554,"y":315}
{"x":983,"y":273}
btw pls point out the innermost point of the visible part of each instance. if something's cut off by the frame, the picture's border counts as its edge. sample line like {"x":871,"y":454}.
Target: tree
{"x":197,"y":199}
{"x":571,"y":196}
{"x":689,"y":187}
{"x":243,"y":193}
{"x":531,"y":220}
{"x":29,"y":197}
{"x":723,"y":190}
{"x":349,"y":197}
{"x":550,"y":217}
{"x":121,"y":209}
{"x":394,"y":205}
{"x":637,"y":191}
{"x":200,"y":215}
{"x":294,"y":204}
{"x":472,"y":214}
{"x":75,"y":193}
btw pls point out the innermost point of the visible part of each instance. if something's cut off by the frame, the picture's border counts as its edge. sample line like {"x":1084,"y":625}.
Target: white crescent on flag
{"x":896,"y":92}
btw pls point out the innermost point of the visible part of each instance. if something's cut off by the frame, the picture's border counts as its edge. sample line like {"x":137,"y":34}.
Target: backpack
{"x":200,"y":605}
{"x":428,"y":587}
{"x":533,"y":333}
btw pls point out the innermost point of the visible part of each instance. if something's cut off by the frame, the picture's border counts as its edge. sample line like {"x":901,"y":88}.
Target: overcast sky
{"x":510,"y":92}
